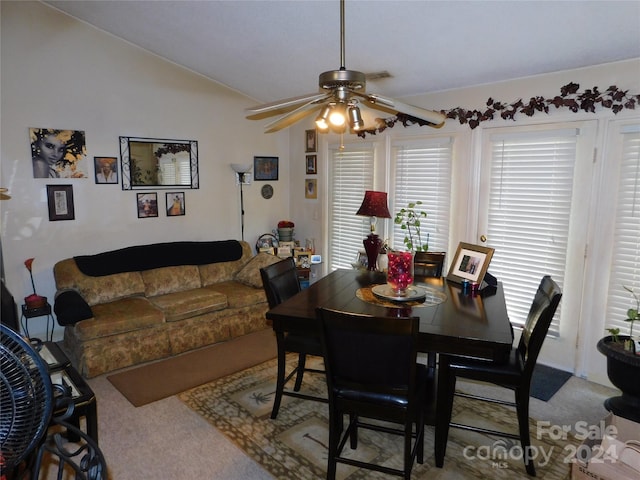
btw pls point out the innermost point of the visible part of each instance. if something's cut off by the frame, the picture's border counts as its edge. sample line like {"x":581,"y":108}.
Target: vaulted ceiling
{"x":271,"y":49}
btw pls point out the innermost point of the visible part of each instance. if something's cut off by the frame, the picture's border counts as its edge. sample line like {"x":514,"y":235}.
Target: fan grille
{"x":25,"y":397}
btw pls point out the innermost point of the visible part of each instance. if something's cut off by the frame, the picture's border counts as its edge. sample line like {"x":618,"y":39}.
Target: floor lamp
{"x":241,"y":179}
{"x":374,"y":205}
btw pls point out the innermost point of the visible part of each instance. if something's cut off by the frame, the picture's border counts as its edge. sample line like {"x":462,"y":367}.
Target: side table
{"x":28,"y":313}
{"x":84,"y":400}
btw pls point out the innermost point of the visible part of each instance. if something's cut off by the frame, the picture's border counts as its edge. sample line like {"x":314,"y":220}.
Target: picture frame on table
{"x":302,"y":258}
{"x":265,"y":168}
{"x":470,"y":263}
{"x":312,"y":164}
{"x":60,"y":202}
{"x":311,"y":140}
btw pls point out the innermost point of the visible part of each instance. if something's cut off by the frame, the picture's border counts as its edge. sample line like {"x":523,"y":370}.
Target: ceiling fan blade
{"x":292,"y":117}
{"x":282,"y":106}
{"x":390,"y":104}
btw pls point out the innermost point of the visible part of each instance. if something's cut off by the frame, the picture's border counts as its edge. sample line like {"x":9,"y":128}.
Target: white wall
{"x":60,"y":73}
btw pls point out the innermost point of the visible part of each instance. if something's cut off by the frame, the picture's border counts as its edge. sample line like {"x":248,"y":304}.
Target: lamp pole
{"x":241,"y":172}
{"x":241,"y":179}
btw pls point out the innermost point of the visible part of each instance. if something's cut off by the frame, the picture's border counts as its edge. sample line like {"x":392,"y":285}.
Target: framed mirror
{"x":158,"y":163}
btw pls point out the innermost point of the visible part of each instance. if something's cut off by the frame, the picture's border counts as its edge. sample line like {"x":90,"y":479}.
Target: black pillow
{"x":70,"y":308}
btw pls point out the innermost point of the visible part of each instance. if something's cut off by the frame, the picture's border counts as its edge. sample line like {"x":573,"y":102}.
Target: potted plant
{"x":623,"y":366}
{"x":409,"y":220}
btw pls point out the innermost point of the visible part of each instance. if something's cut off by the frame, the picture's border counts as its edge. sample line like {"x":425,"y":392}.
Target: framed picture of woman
{"x":175,"y":204}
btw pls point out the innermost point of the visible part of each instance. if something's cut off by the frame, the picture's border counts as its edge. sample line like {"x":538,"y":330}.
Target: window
{"x":351,"y":174}
{"x":625,"y":262}
{"x":423,"y":172}
{"x":530,"y":203}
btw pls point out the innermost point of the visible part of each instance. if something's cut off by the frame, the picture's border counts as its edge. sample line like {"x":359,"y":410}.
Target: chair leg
{"x":302,"y":360}
{"x":353,"y":428}
{"x":336,"y":425}
{"x":420,"y":439}
{"x":280,"y":375}
{"x":408,"y":440}
{"x":444,"y":407}
{"x":522,"y":407}
{"x":431,"y":360}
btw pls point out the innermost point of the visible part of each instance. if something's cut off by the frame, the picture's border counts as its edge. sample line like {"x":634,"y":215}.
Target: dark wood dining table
{"x":451,"y":321}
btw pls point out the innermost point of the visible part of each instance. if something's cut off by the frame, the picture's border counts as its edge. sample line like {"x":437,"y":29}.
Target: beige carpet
{"x":165,"y":378}
{"x":294,"y":445}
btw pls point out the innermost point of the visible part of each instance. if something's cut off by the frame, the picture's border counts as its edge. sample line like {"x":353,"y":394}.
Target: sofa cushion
{"x":250,"y":273}
{"x":160,"y":281}
{"x":224,"y":271}
{"x":120,"y":316}
{"x":190,"y":303}
{"x":96,"y":290}
{"x":239,"y":295}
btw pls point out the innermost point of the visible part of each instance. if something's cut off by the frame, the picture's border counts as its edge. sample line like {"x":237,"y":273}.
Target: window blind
{"x":351,"y":173}
{"x":423,"y":173}
{"x":531,"y":185}
{"x":175,"y":171}
{"x":625,"y":264}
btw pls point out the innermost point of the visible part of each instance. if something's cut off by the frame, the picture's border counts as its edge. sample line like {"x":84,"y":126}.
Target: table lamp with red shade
{"x":374,"y":205}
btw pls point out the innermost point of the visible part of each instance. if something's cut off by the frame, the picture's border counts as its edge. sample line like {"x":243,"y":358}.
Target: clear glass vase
{"x":400,"y":272}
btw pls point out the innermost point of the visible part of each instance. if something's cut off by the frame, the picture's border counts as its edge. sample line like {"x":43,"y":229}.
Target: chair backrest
{"x":280,"y":281}
{"x":538,"y":321}
{"x":428,"y":264}
{"x":372,"y":354}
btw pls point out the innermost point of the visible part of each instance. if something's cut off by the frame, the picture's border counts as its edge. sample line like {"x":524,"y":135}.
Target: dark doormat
{"x":546,"y":381}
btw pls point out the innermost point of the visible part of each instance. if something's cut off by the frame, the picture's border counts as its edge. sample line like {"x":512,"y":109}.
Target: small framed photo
{"x":147,"y":205}
{"x":470,"y":263}
{"x":310,"y":188}
{"x":311,"y":139}
{"x":175,"y":204}
{"x":361,"y":261}
{"x":60,"y":200}
{"x":312,"y":164}
{"x":106,"y":169}
{"x":265,"y":168}
{"x":302,"y":258}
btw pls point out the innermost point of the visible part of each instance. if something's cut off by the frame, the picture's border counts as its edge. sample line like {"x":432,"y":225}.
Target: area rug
{"x":165,"y":378}
{"x":294,"y":446}
{"x":546,"y":381}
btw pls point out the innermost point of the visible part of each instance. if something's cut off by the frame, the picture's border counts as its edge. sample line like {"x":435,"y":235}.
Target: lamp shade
{"x":374,"y":205}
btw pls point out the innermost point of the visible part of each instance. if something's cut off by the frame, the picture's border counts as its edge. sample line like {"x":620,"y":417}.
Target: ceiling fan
{"x":338,"y":101}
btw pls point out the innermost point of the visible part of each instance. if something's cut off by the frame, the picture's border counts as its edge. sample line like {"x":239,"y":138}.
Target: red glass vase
{"x":400,"y":272}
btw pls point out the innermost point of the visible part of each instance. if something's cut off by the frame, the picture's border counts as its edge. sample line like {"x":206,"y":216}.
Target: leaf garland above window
{"x":570,"y":97}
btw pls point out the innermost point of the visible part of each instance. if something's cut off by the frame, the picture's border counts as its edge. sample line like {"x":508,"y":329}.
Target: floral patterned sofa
{"x":142,"y":303}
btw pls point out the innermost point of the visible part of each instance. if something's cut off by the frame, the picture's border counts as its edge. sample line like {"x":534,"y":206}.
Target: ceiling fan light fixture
{"x":355,"y":118}
{"x":337,"y":116}
{"x":322,"y":119}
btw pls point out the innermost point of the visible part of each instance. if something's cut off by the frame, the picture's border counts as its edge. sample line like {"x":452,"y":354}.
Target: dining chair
{"x":372,"y":374}
{"x":280,"y":282}
{"x":514,"y":374}
{"x":428,"y":264}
